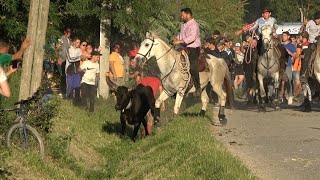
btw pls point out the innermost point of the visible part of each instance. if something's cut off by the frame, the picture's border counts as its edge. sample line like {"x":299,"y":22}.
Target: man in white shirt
{"x":88,"y":83}
{"x":72,"y":67}
{"x":313,"y":28}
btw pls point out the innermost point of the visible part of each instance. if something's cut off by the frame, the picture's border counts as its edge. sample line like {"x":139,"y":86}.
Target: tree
{"x":33,"y":58}
{"x":288,"y":10}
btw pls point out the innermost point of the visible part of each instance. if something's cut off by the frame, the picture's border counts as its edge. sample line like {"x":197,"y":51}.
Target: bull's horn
{"x":112,"y":85}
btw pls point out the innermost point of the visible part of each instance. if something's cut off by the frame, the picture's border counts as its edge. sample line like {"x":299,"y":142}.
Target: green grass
{"x":87,"y":146}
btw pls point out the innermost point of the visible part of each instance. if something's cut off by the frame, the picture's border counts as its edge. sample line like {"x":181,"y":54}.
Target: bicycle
{"x":21,"y":135}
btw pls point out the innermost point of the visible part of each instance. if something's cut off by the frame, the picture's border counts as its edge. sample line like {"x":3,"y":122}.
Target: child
{"x":88,"y":82}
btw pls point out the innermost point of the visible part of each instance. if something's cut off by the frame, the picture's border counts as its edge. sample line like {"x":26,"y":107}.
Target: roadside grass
{"x":85,"y":145}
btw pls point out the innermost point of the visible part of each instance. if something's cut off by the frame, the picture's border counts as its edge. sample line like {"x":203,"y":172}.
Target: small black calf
{"x":134,"y":106}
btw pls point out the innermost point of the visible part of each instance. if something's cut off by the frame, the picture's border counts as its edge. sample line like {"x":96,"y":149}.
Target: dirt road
{"x":277,"y":144}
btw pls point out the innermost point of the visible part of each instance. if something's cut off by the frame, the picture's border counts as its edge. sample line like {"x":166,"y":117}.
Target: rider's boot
{"x":307,"y":105}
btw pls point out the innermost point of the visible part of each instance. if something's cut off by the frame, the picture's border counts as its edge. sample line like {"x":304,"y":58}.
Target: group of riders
{"x":189,"y":37}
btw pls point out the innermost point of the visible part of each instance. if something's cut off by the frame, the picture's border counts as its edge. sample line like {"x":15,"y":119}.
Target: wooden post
{"x":39,"y":46}
{"x":104,"y":59}
{"x":29,"y":53}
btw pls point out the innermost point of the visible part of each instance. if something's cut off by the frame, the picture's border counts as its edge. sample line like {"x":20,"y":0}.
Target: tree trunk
{"x":33,"y":56}
{"x":29,"y":53}
{"x":39,"y":46}
{"x":178,"y":7}
{"x":104,"y":59}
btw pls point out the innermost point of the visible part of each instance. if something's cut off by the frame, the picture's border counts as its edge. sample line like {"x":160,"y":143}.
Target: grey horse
{"x":268,"y":66}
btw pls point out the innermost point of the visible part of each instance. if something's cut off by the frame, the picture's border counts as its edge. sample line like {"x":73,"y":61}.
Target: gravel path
{"x":277,"y":144}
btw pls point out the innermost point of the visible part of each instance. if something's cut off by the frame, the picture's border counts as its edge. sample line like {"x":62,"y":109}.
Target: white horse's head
{"x":267,"y":32}
{"x":148,"y":47}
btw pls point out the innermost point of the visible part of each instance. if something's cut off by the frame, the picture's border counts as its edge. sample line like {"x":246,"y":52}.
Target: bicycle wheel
{"x":29,"y":143}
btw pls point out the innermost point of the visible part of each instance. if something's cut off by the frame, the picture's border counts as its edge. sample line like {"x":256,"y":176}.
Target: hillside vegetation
{"x":85,"y":145}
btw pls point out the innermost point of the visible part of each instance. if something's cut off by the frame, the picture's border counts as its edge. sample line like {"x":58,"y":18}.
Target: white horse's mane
{"x":156,"y":35}
{"x":153,"y":34}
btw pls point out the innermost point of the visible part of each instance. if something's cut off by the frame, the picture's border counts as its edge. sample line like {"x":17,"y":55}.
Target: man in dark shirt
{"x":219,"y":52}
{"x":249,"y":67}
{"x":210,"y":46}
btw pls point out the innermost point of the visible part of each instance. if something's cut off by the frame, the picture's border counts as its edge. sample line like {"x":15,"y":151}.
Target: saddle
{"x":202,"y":63}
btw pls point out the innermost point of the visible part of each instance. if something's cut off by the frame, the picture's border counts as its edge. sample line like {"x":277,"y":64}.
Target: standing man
{"x":116,"y":65}
{"x":72,"y":67}
{"x":65,"y":42}
{"x":190,"y":37}
{"x":292,"y":51}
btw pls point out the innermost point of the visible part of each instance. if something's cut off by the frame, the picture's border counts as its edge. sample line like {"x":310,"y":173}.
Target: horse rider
{"x":313,"y":30}
{"x":189,"y":37}
{"x":265,"y":20}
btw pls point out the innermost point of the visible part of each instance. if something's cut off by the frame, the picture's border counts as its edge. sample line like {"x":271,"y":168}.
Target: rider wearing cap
{"x":313,"y":31}
{"x":265,"y":20}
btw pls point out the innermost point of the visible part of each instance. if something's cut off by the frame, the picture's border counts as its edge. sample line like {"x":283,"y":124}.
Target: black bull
{"x":134,"y":105}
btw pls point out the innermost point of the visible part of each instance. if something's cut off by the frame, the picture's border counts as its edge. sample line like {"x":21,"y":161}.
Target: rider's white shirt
{"x":271,"y":21}
{"x":313,"y":29}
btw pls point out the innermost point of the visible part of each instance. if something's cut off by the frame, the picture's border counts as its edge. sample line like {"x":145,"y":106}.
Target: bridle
{"x":146,"y":58}
{"x":149,"y":51}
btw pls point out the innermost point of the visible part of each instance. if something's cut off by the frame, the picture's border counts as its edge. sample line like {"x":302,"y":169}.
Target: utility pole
{"x":105,"y":28}
{"x":178,"y":7}
{"x":33,"y":56}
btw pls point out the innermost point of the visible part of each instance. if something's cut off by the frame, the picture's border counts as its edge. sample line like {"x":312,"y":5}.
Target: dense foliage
{"x":128,"y":18}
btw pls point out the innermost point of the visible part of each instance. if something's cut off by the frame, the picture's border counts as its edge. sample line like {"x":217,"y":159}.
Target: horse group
{"x":175,"y":75}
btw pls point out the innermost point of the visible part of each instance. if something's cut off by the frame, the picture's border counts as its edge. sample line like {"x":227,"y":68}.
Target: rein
{"x":174,"y":64}
{"x":249,"y":50}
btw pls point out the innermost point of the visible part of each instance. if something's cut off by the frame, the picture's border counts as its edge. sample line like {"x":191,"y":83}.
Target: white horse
{"x":268,"y":65}
{"x":316,"y":63}
{"x":175,"y":75}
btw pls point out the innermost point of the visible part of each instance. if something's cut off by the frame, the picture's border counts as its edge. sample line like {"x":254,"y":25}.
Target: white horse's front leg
{"x":262,"y":92}
{"x":204,"y":99}
{"x":276,"y":86}
{"x":261,"y":87}
{"x":178,"y":102}
{"x":163,"y":96}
